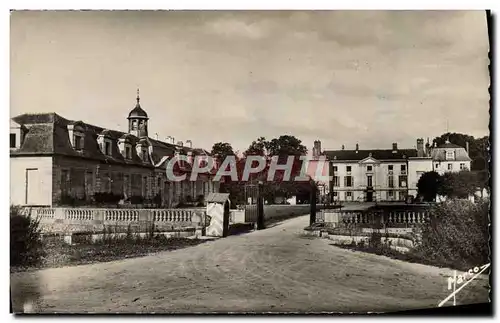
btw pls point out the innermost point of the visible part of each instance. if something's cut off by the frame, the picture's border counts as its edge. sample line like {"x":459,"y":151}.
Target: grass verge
{"x":59,"y":254}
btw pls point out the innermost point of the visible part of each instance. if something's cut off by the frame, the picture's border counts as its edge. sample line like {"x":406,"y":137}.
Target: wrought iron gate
{"x":251,"y":195}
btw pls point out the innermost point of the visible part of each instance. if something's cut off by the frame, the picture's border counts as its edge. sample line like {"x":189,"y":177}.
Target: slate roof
{"x":137,"y":112}
{"x":379,"y":154}
{"x":449,"y":145}
{"x":460,"y":154}
{"x":47,"y":134}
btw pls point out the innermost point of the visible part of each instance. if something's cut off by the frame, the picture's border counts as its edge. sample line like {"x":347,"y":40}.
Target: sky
{"x":342,"y":77}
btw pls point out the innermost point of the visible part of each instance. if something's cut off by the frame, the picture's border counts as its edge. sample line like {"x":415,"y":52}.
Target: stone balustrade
{"x":96,"y":219}
{"x":337,"y":217}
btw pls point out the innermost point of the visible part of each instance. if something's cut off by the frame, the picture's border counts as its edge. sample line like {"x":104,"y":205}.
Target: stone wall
{"x":82,"y":178}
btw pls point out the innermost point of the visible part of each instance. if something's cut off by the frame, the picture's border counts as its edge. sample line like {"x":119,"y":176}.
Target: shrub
{"x":26,"y":248}
{"x":457,"y":235}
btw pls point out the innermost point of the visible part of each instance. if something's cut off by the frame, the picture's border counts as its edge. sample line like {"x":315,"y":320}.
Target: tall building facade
{"x":54,"y":159}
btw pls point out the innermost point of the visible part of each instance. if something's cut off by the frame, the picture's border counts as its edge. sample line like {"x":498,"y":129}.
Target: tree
{"x":428,"y":186}
{"x":257,"y":147}
{"x":286,"y":145}
{"x":222,"y":150}
{"x":458,"y":185}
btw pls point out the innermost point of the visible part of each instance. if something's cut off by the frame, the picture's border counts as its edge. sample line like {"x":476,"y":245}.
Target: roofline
{"x":358,"y":160}
{"x":101,"y":161}
{"x":137,"y":117}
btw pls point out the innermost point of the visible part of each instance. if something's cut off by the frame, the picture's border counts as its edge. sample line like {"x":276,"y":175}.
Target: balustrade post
{"x":59,"y":213}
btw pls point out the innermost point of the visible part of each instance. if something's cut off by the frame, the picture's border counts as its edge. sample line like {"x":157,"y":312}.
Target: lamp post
{"x":312,"y":217}
{"x":260,"y":207}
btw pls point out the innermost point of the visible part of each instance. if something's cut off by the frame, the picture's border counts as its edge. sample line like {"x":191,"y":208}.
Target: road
{"x":273,"y":270}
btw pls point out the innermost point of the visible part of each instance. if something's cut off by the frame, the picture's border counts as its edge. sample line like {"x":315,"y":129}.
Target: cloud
{"x":343,"y":77}
{"x":236,"y":28}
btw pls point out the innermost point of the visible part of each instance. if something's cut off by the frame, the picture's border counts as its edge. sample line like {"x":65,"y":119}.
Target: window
{"x":336,"y":180}
{"x":144,"y":186}
{"x":126,"y":186}
{"x":403,"y":168}
{"x":107,"y":148}
{"x":65,"y":185}
{"x":450,"y":166}
{"x":462,"y":166}
{"x":390,"y":194}
{"x":402,"y":196}
{"x":348,"y":182}
{"x":89,"y":184}
{"x":145,"y":155}
{"x":12,"y":140}
{"x":106,"y":183}
{"x":437,"y":165}
{"x":369,"y":168}
{"x":391,"y":181}
{"x":158,"y":186}
{"x":369,"y":181}
{"x":78,"y":140}
{"x":334,"y":168}
{"x":391,"y":167}
{"x":128,"y":152}
{"x":348,"y":195}
{"x":335,"y":194}
{"x":348,"y":169}
{"x":402,"y":181}
{"x":449,"y":154}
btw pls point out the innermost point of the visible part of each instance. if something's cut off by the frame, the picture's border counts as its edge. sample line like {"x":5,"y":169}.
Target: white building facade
{"x":450,"y":158}
{"x":387,"y":174}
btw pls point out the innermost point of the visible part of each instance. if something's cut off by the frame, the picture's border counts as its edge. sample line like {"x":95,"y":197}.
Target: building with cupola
{"x":55,"y":160}
{"x":371,"y":175}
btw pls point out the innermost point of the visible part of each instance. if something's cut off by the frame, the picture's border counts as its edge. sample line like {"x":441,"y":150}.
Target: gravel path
{"x":273,"y":270}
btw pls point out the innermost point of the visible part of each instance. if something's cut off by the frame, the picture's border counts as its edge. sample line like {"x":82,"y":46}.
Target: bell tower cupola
{"x":138,"y":120}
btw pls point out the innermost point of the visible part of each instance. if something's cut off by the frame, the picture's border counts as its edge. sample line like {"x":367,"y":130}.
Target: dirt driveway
{"x":273,"y":270}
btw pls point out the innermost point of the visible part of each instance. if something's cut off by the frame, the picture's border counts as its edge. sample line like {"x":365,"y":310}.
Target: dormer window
{"x":76,"y":133}
{"x":449,"y":154}
{"x":107,"y":147}
{"x":142,"y":150}
{"x":78,"y":141}
{"x":125,"y":146}
{"x":104,"y":140}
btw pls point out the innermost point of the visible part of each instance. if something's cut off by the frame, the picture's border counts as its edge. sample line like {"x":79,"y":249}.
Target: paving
{"x":273,"y":270}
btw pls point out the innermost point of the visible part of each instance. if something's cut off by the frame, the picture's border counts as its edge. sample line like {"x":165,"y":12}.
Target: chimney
{"x":190,"y":157}
{"x":190,"y":143}
{"x":343,"y":147}
{"x":420,"y":147}
{"x":467,"y":147}
{"x":357,"y":147}
{"x":394,"y":147}
{"x":317,"y":148}
{"x":180,"y":143}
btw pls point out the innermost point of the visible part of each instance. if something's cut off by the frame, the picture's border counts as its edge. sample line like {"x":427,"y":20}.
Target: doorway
{"x":369,"y":196}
